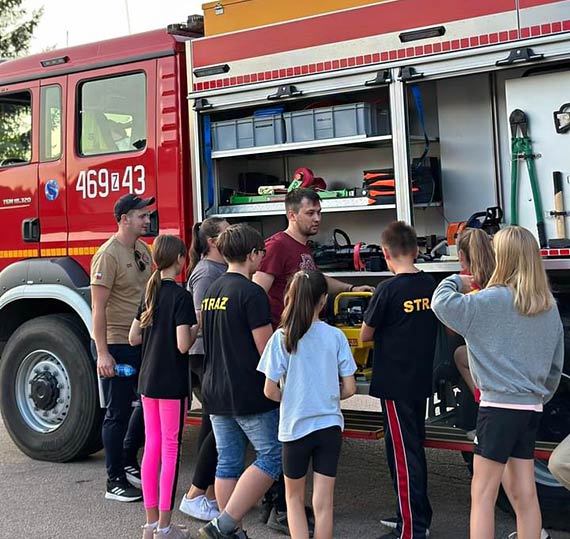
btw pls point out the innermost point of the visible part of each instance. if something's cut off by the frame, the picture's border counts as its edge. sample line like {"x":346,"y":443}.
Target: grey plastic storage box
{"x":330,"y":122}
{"x":248,"y":132}
{"x":383,"y":125}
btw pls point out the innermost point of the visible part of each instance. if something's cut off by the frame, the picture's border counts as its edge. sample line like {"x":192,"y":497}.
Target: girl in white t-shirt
{"x":308,"y":357}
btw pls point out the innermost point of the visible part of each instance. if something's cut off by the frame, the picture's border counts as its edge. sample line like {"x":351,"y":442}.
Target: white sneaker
{"x":199,"y":508}
{"x":214,"y":505}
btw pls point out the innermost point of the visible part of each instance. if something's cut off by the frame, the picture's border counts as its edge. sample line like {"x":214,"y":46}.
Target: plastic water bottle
{"x":124,"y":370}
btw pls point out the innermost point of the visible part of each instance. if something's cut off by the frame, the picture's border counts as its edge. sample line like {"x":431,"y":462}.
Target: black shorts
{"x":503,"y":433}
{"x":323,"y":446}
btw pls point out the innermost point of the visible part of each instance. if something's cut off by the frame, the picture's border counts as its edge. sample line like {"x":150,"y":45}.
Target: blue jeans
{"x":123,"y":424}
{"x":232,"y":434}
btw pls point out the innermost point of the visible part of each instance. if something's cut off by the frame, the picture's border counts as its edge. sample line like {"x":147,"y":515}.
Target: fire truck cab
{"x":79,"y":128}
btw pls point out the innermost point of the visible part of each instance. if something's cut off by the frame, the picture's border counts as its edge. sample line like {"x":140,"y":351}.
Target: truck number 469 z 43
{"x":101,"y":182}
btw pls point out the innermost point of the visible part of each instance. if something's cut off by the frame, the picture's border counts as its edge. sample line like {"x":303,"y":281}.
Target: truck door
{"x":52,"y":190}
{"x":111,"y":149}
{"x":19,"y":114}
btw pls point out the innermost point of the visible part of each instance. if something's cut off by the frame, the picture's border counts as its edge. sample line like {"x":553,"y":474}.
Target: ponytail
{"x":201,"y":232}
{"x":165,"y":252}
{"x":150,"y":297}
{"x":478,"y":250}
{"x":304,"y":292}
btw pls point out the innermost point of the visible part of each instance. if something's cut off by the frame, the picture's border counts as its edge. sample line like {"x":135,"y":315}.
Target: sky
{"x":73,"y":22}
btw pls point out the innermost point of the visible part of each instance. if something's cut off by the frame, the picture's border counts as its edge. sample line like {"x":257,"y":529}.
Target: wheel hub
{"x":44,"y":391}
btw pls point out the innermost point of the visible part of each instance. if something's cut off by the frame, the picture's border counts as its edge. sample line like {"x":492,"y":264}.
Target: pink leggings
{"x":164,"y":422}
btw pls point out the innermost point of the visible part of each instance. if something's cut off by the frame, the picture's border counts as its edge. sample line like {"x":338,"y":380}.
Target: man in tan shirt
{"x":119,"y":272}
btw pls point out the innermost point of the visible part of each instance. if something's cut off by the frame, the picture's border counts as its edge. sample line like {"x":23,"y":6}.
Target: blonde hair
{"x":475,"y":244}
{"x":519,"y":267}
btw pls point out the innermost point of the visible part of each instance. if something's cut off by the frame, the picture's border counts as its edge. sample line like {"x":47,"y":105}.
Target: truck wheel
{"x":48,"y":390}
{"x":553,"y":498}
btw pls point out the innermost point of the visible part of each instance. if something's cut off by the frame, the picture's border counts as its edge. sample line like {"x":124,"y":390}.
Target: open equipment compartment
{"x":463,"y":96}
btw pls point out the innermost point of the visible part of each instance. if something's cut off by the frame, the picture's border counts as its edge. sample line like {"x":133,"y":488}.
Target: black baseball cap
{"x":130,"y":202}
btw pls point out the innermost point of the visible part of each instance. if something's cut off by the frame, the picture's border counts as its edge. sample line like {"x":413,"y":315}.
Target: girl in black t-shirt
{"x":206,"y":265}
{"x":166,"y":327}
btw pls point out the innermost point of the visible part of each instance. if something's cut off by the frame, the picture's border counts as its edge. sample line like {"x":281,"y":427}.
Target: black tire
{"x":58,"y":419}
{"x":554,"y":500}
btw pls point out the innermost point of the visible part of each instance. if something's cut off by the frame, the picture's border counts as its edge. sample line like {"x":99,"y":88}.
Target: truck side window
{"x":50,"y":128}
{"x":112,"y":115}
{"x":15,"y":128}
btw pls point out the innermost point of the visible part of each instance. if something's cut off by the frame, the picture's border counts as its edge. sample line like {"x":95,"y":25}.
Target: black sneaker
{"x":133,"y":473}
{"x":390,"y":535}
{"x":211,"y":531}
{"x":122,"y":491}
{"x":278,"y":521}
{"x":392,"y":523}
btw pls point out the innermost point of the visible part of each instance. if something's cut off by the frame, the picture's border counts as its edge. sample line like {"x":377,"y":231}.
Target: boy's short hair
{"x":293,"y":199}
{"x":237,"y":241}
{"x":400,"y":239}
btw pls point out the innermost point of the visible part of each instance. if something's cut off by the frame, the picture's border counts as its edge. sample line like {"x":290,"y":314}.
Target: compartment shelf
{"x":308,"y":145}
{"x":328,"y":205}
{"x":314,"y":144}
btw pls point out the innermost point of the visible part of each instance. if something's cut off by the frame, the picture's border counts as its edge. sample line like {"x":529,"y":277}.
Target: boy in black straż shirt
{"x":236,"y":322}
{"x":400,"y":321}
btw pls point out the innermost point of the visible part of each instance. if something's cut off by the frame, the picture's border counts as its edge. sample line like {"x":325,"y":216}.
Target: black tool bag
{"x":347,"y":256}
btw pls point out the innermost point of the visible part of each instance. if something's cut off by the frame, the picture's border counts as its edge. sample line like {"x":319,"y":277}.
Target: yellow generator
{"x":348,"y":313}
{"x":232,"y":15}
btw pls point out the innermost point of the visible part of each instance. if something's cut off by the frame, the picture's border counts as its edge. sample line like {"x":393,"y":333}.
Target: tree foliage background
{"x":16,"y":27}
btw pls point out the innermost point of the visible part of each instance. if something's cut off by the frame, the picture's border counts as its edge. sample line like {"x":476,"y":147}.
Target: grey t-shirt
{"x":514,"y":359}
{"x":311,"y":392}
{"x":202,"y":276}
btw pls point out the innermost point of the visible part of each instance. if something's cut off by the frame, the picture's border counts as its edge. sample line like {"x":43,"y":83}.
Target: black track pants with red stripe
{"x":404,"y":425}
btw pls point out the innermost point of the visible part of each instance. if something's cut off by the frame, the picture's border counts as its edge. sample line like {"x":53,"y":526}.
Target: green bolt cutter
{"x":521,"y":149}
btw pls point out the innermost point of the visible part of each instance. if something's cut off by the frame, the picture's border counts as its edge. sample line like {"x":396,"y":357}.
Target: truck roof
{"x":153,"y":44}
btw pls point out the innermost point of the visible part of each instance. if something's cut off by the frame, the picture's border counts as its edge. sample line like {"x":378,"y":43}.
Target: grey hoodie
{"x":514,"y":359}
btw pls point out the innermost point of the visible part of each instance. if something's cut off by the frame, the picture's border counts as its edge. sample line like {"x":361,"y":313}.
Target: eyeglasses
{"x":138,"y":259}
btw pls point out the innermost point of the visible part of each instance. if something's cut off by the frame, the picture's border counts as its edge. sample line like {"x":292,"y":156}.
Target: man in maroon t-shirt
{"x":287,"y":251}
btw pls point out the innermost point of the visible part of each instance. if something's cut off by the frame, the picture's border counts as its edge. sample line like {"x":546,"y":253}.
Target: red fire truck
{"x":417,"y":94}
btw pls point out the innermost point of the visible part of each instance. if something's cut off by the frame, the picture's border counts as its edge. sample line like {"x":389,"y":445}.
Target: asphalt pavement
{"x":41,"y":500}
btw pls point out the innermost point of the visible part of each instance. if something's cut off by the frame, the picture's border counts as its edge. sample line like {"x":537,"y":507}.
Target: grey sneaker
{"x":174,"y":532}
{"x":148,"y":531}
